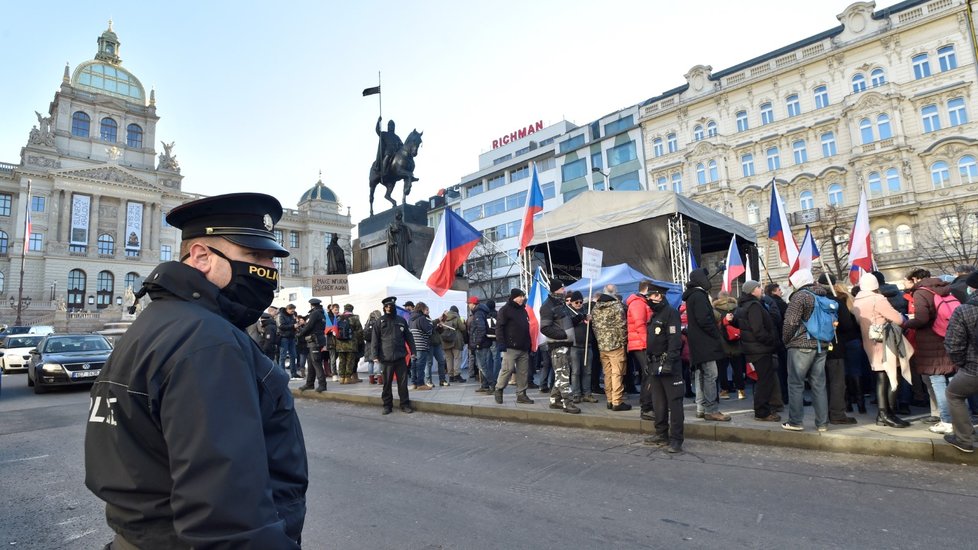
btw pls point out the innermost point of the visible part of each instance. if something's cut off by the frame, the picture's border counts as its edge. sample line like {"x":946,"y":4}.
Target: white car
{"x":15,"y":351}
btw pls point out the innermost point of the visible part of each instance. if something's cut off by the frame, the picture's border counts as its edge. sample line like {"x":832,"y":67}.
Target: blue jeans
{"x":483,"y":358}
{"x":705,"y":386}
{"x":544,"y":367}
{"x":581,"y":371}
{"x":287,"y":347}
{"x":419,"y":364}
{"x":939,"y":385}
{"x":439,"y":357}
{"x":806,"y":364}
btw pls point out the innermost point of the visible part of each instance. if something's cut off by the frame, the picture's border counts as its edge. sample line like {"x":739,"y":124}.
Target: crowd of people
{"x":899,"y":347}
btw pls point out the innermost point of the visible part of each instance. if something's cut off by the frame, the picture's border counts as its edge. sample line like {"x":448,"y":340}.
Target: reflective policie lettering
{"x":263,"y":272}
{"x":95,"y":417}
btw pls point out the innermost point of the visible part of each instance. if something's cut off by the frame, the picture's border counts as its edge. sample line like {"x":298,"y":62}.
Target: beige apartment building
{"x":885,"y":102}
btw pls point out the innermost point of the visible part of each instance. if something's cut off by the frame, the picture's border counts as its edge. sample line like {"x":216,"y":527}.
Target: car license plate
{"x":85,"y":374}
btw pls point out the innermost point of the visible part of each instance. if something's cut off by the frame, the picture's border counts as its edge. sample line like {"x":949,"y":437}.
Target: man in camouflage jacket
{"x":608,"y":318}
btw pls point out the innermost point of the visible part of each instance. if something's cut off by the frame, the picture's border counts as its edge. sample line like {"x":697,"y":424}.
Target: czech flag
{"x":454,"y":241}
{"x":779,"y":231}
{"x":534,"y":204}
{"x":807,"y":255}
{"x":692,"y":259}
{"x":330,"y":324}
{"x":735,"y":265}
{"x":538,"y":293}
{"x":860,"y":248}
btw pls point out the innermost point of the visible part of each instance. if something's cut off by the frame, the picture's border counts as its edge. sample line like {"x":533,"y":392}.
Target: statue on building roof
{"x":43,"y":133}
{"x":168,"y":161}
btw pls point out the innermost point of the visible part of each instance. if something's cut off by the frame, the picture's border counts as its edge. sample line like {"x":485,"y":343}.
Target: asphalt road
{"x":424,"y":481}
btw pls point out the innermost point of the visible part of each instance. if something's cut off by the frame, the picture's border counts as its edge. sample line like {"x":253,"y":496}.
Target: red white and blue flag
{"x":779,"y":231}
{"x":860,"y":248}
{"x":534,"y":204}
{"x":807,"y":255}
{"x":735,"y":265}
{"x":538,"y":293}
{"x":454,"y":241}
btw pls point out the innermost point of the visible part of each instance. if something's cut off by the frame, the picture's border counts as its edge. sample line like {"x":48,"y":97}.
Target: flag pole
{"x":380,"y":101}
{"x":766,"y":270}
{"x":23,"y":256}
{"x":504,"y":253}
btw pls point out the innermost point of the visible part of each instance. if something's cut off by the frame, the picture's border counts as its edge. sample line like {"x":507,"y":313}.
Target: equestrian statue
{"x":395,"y":162}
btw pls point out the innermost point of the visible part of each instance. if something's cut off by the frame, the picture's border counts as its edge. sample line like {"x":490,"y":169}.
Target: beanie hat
{"x":801,"y":278}
{"x":824,"y":279}
{"x":556,"y":284}
{"x":869,"y":282}
{"x":473,"y":299}
{"x":750,"y":286}
{"x":515,"y":293}
{"x":576,"y":296}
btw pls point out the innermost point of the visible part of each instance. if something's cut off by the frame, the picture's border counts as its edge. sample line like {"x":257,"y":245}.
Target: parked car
{"x":41,"y":329}
{"x":67,"y":360}
{"x":15,"y":351}
{"x":6,"y":331}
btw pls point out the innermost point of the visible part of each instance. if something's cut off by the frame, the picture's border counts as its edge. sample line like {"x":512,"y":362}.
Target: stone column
{"x":93,"y":223}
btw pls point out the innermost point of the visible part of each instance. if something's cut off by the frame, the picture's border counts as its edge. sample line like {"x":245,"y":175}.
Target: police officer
{"x":389,"y":338}
{"x":557,"y":324}
{"x":192,"y":437}
{"x":664,"y":371}
{"x":313,"y":335}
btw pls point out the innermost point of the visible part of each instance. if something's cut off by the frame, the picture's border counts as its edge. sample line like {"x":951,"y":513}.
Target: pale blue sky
{"x":259,"y":96}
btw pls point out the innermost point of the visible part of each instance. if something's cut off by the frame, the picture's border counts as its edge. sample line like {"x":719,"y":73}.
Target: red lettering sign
{"x":517,"y":134}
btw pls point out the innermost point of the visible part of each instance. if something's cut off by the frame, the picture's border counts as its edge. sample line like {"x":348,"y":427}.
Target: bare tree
{"x":833,"y":242}
{"x":950,"y":238}
{"x":480,"y":272}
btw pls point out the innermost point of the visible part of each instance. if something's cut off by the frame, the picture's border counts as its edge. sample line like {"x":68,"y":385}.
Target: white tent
{"x":369,"y":288}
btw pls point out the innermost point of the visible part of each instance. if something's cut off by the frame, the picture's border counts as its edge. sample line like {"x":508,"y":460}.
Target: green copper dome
{"x":319,"y":192}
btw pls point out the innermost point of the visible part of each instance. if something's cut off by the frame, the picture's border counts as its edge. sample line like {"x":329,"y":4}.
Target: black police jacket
{"x":313,"y":333}
{"x":389,"y":338}
{"x":192,"y":438}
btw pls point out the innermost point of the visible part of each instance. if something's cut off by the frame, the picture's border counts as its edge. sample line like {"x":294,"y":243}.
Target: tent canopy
{"x":367,"y":289}
{"x":626,"y":279}
{"x":633,"y":227}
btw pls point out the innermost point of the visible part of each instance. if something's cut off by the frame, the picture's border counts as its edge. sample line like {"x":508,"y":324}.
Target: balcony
{"x":804,"y":217}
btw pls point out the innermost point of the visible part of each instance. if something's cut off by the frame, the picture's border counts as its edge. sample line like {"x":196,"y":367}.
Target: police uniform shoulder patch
{"x":672,"y":330}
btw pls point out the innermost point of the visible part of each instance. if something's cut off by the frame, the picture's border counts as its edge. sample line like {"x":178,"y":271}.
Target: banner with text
{"x":80,"y":206}
{"x":134,"y":225}
{"x":591,"y":263}
{"x":330,"y":285}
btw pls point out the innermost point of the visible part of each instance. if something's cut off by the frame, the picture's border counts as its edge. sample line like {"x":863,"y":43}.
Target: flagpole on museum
{"x":380,"y":101}
{"x":23,"y":256}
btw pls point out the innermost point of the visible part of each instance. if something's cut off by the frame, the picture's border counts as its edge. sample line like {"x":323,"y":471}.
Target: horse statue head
{"x":413,"y":142}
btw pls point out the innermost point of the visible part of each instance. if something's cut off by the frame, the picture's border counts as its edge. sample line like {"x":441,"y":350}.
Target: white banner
{"x":80,"y":205}
{"x":134,"y":225}
{"x":591,"y":263}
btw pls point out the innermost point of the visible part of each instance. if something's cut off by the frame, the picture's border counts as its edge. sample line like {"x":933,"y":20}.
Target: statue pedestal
{"x":370,"y":249}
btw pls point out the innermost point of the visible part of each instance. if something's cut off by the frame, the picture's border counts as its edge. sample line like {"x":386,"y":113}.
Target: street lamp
{"x":20,"y":305}
{"x":607,"y":178}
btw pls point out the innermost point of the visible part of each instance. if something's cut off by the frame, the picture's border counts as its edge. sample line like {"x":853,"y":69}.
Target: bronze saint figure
{"x":335,"y":257}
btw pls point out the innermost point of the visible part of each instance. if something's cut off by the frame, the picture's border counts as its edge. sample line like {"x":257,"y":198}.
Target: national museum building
{"x":884,"y":102}
{"x":99,"y":194}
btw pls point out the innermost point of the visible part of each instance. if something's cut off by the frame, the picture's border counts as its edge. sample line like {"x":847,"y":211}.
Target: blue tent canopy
{"x":627,"y":279}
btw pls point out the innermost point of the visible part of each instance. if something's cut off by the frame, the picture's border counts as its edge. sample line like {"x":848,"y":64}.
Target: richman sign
{"x":517,"y":134}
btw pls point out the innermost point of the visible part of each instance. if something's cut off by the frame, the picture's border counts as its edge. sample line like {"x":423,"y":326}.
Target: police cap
{"x":315,"y":301}
{"x":389,"y":301}
{"x":245,"y":219}
{"x":659,"y":289}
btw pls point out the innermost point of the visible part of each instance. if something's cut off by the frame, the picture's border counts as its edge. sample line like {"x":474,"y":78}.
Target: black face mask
{"x":250,"y":292}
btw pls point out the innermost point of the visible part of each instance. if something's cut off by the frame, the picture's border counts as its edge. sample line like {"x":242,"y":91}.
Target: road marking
{"x":23,"y":459}
{"x":80,"y":535}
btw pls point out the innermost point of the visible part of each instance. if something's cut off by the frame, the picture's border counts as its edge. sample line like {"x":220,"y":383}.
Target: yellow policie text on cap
{"x":245,"y":219}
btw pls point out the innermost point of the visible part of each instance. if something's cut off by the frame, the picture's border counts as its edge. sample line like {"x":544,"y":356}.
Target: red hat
{"x":473,"y":299}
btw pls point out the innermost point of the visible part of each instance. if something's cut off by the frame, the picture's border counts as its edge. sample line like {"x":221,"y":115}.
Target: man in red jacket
{"x":639,"y":314}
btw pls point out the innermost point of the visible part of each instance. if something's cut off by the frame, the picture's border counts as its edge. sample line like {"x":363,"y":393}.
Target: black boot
{"x":885,"y":415}
{"x":857,"y":394}
{"x":892,"y":399}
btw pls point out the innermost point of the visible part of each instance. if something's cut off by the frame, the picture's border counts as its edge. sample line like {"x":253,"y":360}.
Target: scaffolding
{"x":679,"y":249}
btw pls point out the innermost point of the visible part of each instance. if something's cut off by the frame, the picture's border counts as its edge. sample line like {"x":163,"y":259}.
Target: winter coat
{"x":961,"y":341}
{"x":353,"y":344}
{"x":773,"y":306}
{"x":478,"y":336}
{"x":721,"y":307}
{"x":421,"y":329}
{"x":872,"y":308}
{"x":702,"y":331}
{"x":800,"y":308}
{"x":639,"y":314}
{"x":313,"y":332}
{"x":929,"y":354}
{"x":608,"y":320}
{"x":193,"y":438}
{"x":758,"y":333}
{"x":582,"y":332}
{"x":368,"y":330}
{"x":286,"y":325}
{"x":390,"y":339}
{"x":557,"y":322}
{"x":959,"y":288}
{"x":513,"y":327}
{"x":665,"y":335}
{"x":894,"y":295}
{"x":452,"y":340}
{"x":846,"y":330}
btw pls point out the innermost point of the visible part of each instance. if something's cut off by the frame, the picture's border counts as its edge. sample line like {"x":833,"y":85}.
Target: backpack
{"x":448,"y":334}
{"x":820,"y":325}
{"x":344,"y":331}
{"x":945,"y":306}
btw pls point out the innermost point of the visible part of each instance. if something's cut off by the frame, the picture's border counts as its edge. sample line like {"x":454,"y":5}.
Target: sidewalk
{"x":862,"y":438}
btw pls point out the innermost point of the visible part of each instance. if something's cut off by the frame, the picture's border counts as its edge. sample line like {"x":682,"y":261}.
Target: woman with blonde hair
{"x":885,"y":346}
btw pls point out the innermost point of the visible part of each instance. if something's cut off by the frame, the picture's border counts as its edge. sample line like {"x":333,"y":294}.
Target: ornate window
{"x":698,"y":132}
{"x":875,"y":184}
{"x":742,"y":124}
{"x":799,"y":151}
{"x":828,"y":144}
{"x":700,"y":174}
{"x":858,"y":83}
{"x":835,"y":195}
{"x":883,"y":241}
{"x":767,"y":113}
{"x":877,"y":77}
{"x":946,"y":58}
{"x":130,"y":281}
{"x":930,"y":118}
{"x":76,"y":289}
{"x":956,"y":112}
{"x":883,"y":126}
{"x":711,"y":129}
{"x":773,"y":159}
{"x":672,"y":143}
{"x":904,"y":237}
{"x":294,"y":267}
{"x":106,"y":244}
{"x":821,"y":94}
{"x":968,"y":169}
{"x":807,"y":200}
{"x":921,"y":66}
{"x":677,"y":182}
{"x":657,"y":148}
{"x":866,"y":131}
{"x":80,"y":124}
{"x":4,"y":242}
{"x":109,"y":130}
{"x":753,"y":213}
{"x":893,"y":184}
{"x":747,"y":164}
{"x":134,"y":136}
{"x":940,"y":175}
{"x":792,"y":104}
{"x":714,"y":174}
{"x":105,"y":285}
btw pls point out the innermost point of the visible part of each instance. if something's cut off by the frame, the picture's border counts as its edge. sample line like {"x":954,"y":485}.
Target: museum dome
{"x":105,"y":74}
{"x":319,"y":192}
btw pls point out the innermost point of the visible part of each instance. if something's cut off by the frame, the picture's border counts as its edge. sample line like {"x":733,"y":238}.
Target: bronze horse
{"x":401,"y":168}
